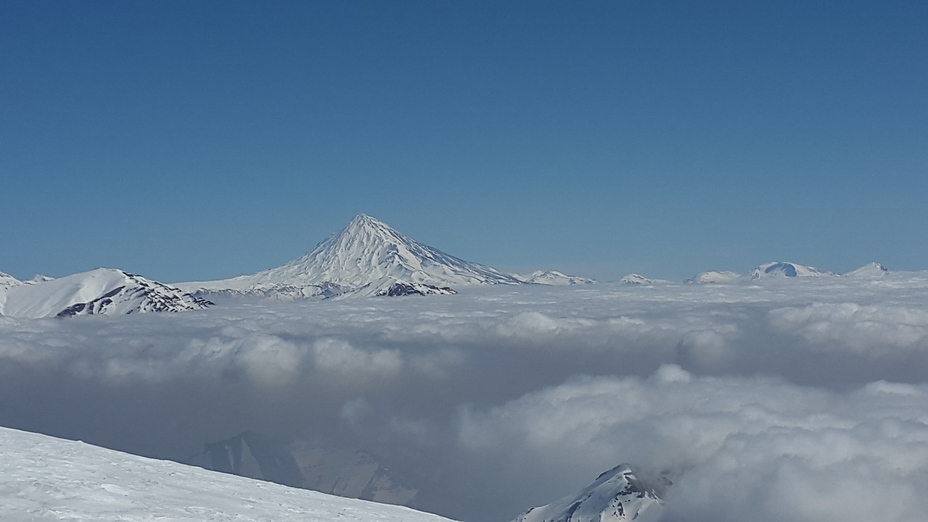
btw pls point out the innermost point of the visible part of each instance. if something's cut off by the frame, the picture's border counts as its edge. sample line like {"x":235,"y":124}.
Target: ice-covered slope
{"x":43,"y":478}
{"x":716,"y":277}
{"x":366,"y":258}
{"x":553,"y":278}
{"x":615,"y":495}
{"x":100,"y":291}
{"x":783,"y":269}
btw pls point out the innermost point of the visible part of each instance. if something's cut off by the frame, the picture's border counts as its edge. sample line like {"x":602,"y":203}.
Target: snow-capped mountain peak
{"x":783,"y":269}
{"x":553,"y":278}
{"x":868,"y":271}
{"x":617,"y":494}
{"x":367,"y":257}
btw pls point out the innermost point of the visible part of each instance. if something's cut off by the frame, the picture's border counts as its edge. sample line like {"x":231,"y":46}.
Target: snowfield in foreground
{"x":44,"y":478}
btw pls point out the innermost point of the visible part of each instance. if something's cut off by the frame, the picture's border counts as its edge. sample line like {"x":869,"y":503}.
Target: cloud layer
{"x":792,"y":400}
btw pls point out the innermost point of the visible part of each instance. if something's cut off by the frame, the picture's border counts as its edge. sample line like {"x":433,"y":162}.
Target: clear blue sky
{"x":201,"y":140}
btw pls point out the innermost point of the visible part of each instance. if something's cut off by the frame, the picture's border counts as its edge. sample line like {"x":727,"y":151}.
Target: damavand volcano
{"x":366,"y":258}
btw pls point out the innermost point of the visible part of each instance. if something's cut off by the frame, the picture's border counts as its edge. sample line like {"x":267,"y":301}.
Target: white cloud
{"x":783,"y":400}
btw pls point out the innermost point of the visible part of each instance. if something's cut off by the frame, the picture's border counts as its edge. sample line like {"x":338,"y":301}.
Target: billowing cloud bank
{"x":787,"y":401}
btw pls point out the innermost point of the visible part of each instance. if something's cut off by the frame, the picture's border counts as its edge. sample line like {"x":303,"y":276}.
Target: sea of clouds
{"x":790,"y":400}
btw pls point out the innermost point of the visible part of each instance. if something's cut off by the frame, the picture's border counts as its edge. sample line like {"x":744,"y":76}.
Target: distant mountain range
{"x":783,"y":270}
{"x":367,"y":258}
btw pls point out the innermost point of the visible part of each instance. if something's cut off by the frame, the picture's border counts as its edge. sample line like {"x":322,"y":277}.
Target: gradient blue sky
{"x":202,"y":140}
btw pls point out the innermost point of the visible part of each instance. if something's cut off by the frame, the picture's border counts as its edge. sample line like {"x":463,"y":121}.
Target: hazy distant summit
{"x":783,"y":270}
{"x":367,"y":257}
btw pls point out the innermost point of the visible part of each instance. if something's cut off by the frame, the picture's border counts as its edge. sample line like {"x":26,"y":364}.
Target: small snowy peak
{"x":101,"y":291}
{"x":716,"y":277}
{"x":616,"y":495}
{"x":638,"y":279}
{"x":873,"y":270}
{"x":781,"y":269}
{"x":39,"y":278}
{"x":635,"y":279}
{"x":553,"y":278}
{"x":367,"y":258}
{"x":44,"y":478}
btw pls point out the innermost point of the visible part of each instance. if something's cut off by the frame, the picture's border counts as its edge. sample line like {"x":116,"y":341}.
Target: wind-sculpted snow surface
{"x":43,"y":478}
{"x":803,"y":399}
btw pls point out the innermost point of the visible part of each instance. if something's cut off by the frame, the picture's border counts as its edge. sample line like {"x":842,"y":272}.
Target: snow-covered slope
{"x":100,"y":291}
{"x":615,"y":495}
{"x":872,"y":270}
{"x":43,"y":478}
{"x":366,"y":258}
{"x":553,"y":278}
{"x":715,"y":277}
{"x":783,"y":269}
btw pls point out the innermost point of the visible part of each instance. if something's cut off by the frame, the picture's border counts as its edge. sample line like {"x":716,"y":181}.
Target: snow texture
{"x":43,"y":478}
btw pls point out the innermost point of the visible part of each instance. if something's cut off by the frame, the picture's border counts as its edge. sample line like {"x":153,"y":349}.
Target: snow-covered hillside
{"x":100,"y":291}
{"x":553,"y":278}
{"x":43,"y":478}
{"x":782,"y":269}
{"x":366,"y":258}
{"x":615,"y":495}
